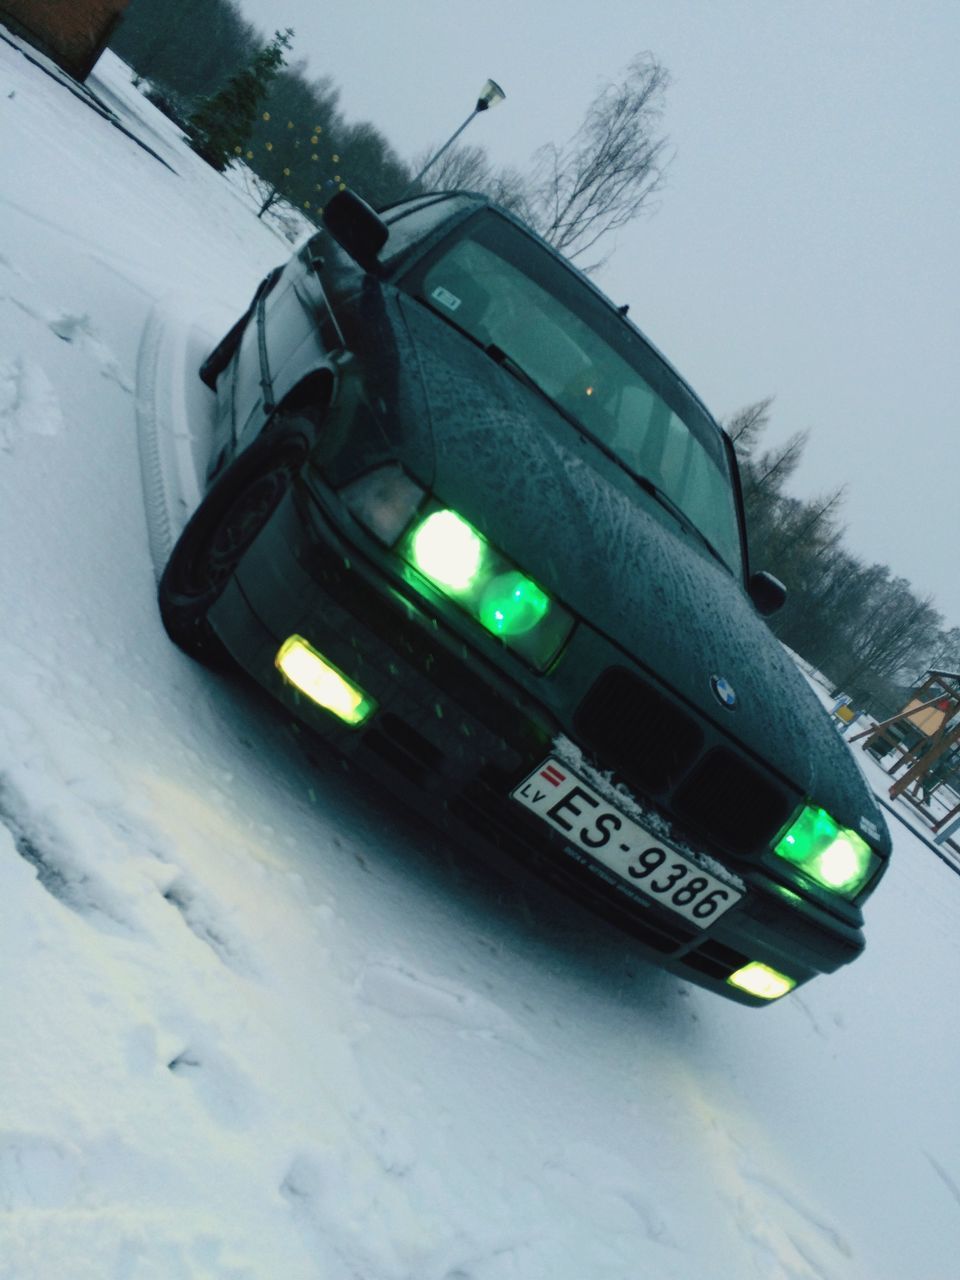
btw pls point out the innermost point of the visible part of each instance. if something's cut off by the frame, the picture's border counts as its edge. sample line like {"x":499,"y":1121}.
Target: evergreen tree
{"x":221,"y":124}
{"x":866,"y":629}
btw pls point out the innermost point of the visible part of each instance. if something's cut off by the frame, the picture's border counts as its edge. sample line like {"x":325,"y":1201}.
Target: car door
{"x":294,"y":330}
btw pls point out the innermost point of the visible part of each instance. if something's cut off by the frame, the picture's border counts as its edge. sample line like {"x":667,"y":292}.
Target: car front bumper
{"x":454,"y":733}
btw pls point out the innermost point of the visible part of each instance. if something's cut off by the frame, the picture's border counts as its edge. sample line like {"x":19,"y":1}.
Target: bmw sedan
{"x":464,"y":521}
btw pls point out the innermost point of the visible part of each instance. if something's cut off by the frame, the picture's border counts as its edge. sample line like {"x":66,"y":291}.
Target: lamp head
{"x":490,"y":95}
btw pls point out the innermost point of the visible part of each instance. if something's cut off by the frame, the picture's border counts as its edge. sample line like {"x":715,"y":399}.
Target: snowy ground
{"x":255,"y":1025}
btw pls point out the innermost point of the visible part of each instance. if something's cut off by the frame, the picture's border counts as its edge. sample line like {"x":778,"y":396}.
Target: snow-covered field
{"x":257,"y":1025}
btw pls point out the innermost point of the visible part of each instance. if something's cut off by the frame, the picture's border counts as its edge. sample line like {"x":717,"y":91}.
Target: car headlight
{"x":384,"y":500}
{"x":458,"y":560}
{"x":834,"y":856}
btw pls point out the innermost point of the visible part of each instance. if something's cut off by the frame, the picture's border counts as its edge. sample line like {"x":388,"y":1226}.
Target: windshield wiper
{"x":499,"y":356}
{"x":649,"y":486}
{"x":507,"y":362}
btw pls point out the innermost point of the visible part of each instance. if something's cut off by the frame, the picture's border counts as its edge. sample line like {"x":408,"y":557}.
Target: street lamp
{"x":490,"y":95}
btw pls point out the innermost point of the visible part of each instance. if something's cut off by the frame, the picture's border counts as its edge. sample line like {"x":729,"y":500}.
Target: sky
{"x":258,"y":1024}
{"x":804,"y":245}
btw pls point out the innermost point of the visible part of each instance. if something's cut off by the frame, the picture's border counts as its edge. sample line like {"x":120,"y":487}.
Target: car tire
{"x":223,"y":527}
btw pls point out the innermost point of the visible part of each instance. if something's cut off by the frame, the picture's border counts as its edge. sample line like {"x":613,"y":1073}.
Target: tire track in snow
{"x":29,"y":404}
{"x":204,"y":919}
{"x":395,"y":988}
{"x":788,"y":1238}
{"x":40,"y":842}
{"x":175,"y":414}
{"x":80,"y":330}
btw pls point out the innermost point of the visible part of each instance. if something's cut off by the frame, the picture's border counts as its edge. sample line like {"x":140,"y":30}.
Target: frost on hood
{"x":581,"y":526}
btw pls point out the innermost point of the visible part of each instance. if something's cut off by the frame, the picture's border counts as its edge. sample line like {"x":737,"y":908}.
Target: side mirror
{"x":767,"y":592}
{"x":357,"y":228}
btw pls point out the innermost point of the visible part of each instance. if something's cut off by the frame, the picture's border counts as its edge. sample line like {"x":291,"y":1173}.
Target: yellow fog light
{"x":760,"y":980}
{"x":323,"y":683}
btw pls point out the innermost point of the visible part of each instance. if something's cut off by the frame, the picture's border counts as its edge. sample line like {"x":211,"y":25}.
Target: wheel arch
{"x":309,"y":398}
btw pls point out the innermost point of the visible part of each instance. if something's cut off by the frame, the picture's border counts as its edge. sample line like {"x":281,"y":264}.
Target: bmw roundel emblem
{"x":723,"y":691}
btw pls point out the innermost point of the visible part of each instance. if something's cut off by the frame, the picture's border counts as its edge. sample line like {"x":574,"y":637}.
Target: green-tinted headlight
{"x":456,"y":558}
{"x":834,"y":856}
{"x":512,"y":605}
{"x":448,"y":551}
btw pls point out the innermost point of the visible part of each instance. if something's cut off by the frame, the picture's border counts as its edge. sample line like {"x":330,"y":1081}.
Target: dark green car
{"x":465,"y":521}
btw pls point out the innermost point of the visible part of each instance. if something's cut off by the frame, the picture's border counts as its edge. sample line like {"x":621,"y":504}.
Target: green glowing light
{"x":842,"y":865}
{"x":833,"y":855}
{"x":322,"y":683}
{"x":486,"y":584}
{"x":448,"y":550}
{"x":512,"y":605}
{"x":784,"y":892}
{"x":760,"y":980}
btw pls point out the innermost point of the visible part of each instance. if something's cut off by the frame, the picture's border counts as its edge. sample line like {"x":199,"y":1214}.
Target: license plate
{"x":594,"y":826}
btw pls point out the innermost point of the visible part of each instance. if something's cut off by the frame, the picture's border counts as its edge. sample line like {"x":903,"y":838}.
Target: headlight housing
{"x":384,"y":500}
{"x":446,"y":551}
{"x":832,"y":855}
{"x":457,"y":560}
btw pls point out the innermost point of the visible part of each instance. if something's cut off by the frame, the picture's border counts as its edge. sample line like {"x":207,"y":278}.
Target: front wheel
{"x":218,"y":534}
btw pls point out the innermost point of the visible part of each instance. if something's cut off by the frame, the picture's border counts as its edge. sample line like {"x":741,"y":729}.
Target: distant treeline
{"x":864,"y":628}
{"x":188,"y":49}
{"x":856,"y":622}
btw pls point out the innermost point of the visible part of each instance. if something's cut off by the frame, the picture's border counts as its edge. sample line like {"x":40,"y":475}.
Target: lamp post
{"x":490,"y":95}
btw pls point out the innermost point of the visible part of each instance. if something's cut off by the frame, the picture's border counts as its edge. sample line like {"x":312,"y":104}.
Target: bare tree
{"x":857,"y":622}
{"x":895,"y":629}
{"x":815,"y":522}
{"x":747,"y":425}
{"x":469,"y":168}
{"x":598,"y":181}
{"x":606,"y":174}
{"x":946,"y":654}
{"x":461,"y":168}
{"x":772,"y":470}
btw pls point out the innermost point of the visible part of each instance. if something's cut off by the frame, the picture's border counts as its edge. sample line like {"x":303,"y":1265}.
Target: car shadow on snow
{"x":485,"y":898}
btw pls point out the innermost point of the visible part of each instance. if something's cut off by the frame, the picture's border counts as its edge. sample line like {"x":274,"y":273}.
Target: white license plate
{"x":594,"y":826}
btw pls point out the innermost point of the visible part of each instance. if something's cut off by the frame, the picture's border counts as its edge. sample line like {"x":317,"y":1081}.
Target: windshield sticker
{"x":445,"y":298}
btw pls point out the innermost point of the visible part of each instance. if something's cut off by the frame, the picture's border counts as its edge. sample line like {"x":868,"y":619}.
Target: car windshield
{"x":510,"y":293}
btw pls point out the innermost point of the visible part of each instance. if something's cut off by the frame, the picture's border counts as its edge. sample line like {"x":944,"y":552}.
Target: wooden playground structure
{"x":925,"y":737}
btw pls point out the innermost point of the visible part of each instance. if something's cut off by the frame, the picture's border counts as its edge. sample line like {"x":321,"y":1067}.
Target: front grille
{"x":732,"y":801}
{"x":658,"y":748}
{"x":403,"y":747}
{"x":637,"y":731}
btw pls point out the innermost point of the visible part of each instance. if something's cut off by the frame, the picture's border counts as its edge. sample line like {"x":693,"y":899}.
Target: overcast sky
{"x":805,"y":243}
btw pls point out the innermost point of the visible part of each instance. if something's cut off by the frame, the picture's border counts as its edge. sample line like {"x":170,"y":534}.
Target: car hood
{"x":578,"y":524}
